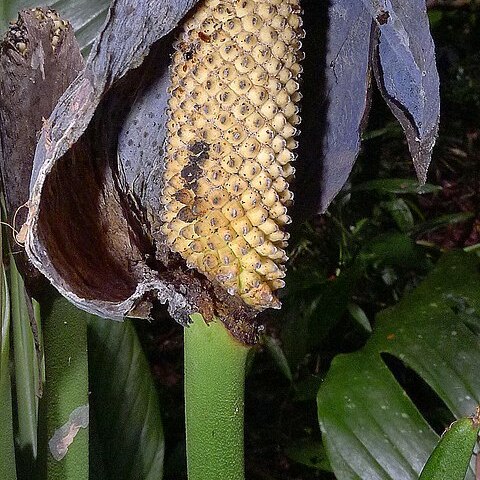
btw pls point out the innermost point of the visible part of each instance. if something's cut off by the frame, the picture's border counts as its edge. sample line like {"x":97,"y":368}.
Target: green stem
{"x":66,"y":389}
{"x":214,"y":401}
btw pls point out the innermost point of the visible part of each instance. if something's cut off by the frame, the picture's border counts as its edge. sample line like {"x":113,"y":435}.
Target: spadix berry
{"x":232,"y":117}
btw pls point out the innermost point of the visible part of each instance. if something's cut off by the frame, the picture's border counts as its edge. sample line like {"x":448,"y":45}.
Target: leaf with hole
{"x":372,"y":429}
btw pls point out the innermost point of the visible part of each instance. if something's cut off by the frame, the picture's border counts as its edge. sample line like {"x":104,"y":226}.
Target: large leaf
{"x":371,"y":427}
{"x":392,"y":38}
{"x":124,"y":403}
{"x":86,"y":16}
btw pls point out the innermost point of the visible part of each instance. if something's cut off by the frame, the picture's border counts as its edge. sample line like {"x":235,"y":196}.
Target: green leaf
{"x":397,"y":186}
{"x":310,"y":453}
{"x":332,"y":302}
{"x":453,"y":453}
{"x":124,"y":402}
{"x":86,"y":16}
{"x":394,"y":249}
{"x":371,"y":428}
{"x":400,"y":212}
{"x":7,"y":449}
{"x":311,"y":313}
{"x":27,"y":368}
{"x":442,"y":221}
{"x":359,"y":316}
{"x":275,"y":350}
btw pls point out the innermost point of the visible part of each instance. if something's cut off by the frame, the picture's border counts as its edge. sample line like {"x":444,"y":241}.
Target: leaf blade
{"x":356,"y":440}
{"x":66,"y":392}
{"x":425,"y":333}
{"x":124,"y":402}
{"x":7,"y":449}
{"x":26,"y":365}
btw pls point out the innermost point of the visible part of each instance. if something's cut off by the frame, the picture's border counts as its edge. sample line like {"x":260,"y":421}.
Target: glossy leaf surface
{"x":371,"y":427}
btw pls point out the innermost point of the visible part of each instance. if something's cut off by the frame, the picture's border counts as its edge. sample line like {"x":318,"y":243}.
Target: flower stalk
{"x":214,"y":401}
